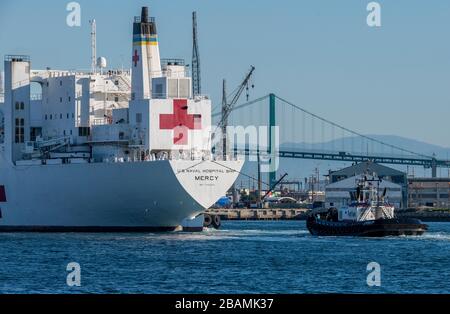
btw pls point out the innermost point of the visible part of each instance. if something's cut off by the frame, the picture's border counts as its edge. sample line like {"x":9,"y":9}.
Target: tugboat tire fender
{"x":208,"y":221}
{"x":216,"y":221}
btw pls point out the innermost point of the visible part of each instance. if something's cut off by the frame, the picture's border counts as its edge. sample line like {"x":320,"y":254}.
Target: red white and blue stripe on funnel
{"x":144,"y":40}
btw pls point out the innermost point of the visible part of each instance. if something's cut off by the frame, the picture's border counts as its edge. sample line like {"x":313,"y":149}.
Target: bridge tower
{"x":434,"y":167}
{"x":272,"y":140}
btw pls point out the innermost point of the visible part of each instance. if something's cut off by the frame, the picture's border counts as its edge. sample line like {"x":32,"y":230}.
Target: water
{"x":243,"y":257}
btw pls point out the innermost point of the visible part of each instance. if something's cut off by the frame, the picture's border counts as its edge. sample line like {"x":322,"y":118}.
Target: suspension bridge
{"x":305,"y":135}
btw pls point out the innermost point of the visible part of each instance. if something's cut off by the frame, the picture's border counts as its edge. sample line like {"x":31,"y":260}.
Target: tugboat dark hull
{"x":374,"y":228}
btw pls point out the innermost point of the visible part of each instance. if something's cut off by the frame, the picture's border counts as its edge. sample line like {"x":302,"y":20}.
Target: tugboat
{"x":368,"y":215}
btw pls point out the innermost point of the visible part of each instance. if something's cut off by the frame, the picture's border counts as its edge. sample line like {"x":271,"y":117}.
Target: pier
{"x":261,"y":214}
{"x":302,"y":213}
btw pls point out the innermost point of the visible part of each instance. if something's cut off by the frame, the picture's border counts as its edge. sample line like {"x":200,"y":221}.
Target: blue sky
{"x":318,"y":53}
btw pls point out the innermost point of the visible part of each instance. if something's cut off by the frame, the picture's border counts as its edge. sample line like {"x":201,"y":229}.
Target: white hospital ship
{"x":111,"y":151}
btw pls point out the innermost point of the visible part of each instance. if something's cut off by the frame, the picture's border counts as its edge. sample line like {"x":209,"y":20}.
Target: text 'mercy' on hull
{"x":108,"y":151}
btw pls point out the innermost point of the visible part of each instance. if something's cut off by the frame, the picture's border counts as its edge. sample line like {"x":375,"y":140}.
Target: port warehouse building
{"x":344,"y":181}
{"x":402,"y":191}
{"x":429,"y":192}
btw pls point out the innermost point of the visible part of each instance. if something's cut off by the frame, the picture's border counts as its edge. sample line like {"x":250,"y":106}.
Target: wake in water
{"x":233,"y":234}
{"x":441,"y":236}
{"x":288,"y":231}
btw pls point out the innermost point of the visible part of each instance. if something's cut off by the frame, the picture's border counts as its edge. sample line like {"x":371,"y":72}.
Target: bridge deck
{"x":348,"y":157}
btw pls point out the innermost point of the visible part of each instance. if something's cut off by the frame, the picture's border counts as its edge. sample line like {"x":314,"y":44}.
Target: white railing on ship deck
{"x":166,"y":156}
{"x":45,"y":74}
{"x":166,"y":96}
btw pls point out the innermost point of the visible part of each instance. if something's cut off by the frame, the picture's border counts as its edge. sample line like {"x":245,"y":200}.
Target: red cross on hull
{"x":180,"y":122}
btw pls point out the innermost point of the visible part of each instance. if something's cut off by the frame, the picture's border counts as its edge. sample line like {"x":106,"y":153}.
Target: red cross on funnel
{"x":135,"y":58}
{"x":180,"y":122}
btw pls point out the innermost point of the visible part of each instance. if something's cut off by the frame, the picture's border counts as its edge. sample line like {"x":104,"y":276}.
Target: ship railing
{"x":56,"y":73}
{"x":159,"y":157}
{"x":21,"y":83}
{"x":147,"y":159}
{"x":170,"y":73}
{"x":48,"y":73}
{"x":101,"y":121}
{"x":17,"y":58}
{"x":117,"y":73}
{"x":137,"y":19}
{"x":120,"y":72}
{"x":172,"y":61}
{"x":166,"y":96}
{"x":201,"y":97}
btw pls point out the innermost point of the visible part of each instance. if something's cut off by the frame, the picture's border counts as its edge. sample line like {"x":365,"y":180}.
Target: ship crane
{"x":46,"y":147}
{"x":42,"y":149}
{"x":272,"y":188}
{"x":227,"y":107}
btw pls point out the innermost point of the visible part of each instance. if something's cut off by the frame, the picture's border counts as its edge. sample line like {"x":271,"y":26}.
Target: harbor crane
{"x":196,"y":76}
{"x":227,"y":107}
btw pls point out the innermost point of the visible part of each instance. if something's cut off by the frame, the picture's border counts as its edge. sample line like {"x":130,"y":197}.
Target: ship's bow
{"x":206,"y":181}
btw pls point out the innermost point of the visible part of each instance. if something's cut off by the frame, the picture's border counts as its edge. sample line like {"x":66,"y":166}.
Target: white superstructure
{"x":368,"y":203}
{"x":115,"y":150}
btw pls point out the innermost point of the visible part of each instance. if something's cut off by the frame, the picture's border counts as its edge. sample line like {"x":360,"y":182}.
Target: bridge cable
{"x":373,"y":140}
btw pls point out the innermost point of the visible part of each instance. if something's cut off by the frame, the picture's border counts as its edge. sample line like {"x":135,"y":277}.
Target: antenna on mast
{"x":196,"y":79}
{"x":93,"y":47}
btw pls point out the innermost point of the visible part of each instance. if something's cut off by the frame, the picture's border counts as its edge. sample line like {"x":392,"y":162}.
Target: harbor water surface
{"x":242,"y":257}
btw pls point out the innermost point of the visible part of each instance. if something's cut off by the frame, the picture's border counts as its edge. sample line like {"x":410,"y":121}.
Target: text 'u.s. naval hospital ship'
{"x":114,"y":151}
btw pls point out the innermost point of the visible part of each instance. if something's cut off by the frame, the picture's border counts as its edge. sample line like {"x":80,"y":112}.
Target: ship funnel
{"x":146,"y":62}
{"x":144,"y":15}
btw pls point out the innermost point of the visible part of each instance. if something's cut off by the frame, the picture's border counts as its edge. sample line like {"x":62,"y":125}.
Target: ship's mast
{"x":93,"y":46}
{"x":196,"y":78}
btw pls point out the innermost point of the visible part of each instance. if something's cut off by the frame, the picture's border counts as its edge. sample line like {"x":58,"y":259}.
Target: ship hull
{"x":375,"y":228}
{"x":111,"y":197}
